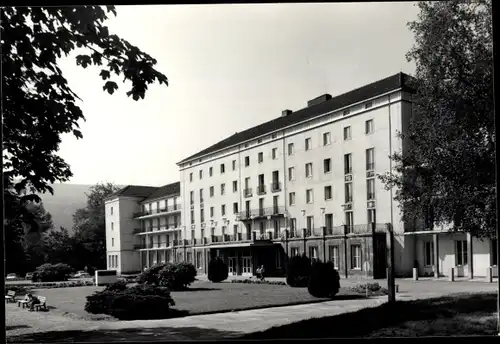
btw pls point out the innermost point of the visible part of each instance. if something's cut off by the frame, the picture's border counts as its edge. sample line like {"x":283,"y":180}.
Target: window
{"x":109,"y":261}
{"x":309,"y":196}
{"x":313,"y":252}
{"x":191,"y":176}
{"x":235,"y":207}
{"x":327,"y":139}
{"x":247,"y":161}
{"x":291,"y":198}
{"x":356,"y":257}
{"x":199,"y":263}
{"x":368,"y":105}
{"x":334,"y":256}
{"x":212,"y":211}
{"x":112,"y":225}
{"x":291,"y":173}
{"x":309,"y":170}
{"x":308,"y":143}
{"x":329,"y":221}
{"x":274,"y":135}
{"x":348,"y":163}
{"x":372,"y":216}
{"x":347,"y":133}
{"x":310,"y":223}
{"x":274,"y":153}
{"x":260,"y":158}
{"x":327,"y":165}
{"x":235,"y":186}
{"x":370,"y":159}
{"x":201,"y":195}
{"x":294,"y":251}
{"x":349,"y":220}
{"x":494,"y":252}
{"x":223,"y":189}
{"x":369,"y":127}
{"x":346,"y":112}
{"x":428,"y":253}
{"x":370,"y":189}
{"x":191,"y":197}
{"x":293,"y":225}
{"x":202,"y":215}
{"x":234,"y":165}
{"x":222,"y":168}
{"x":201,"y":174}
{"x":112,"y":242}
{"x":291,"y":149}
{"x":192,"y":217}
{"x":212,"y":191}
{"x":111,"y":210}
{"x":461,"y":252}
{"x":223,"y":210}
{"x":188,"y":257}
{"x":328,"y":192}
{"x":210,"y":171}
{"x":348,"y":192}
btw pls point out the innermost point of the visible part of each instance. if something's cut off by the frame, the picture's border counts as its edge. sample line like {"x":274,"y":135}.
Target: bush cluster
{"x":324,"y":280}
{"x":52,"y":273}
{"x":217,"y":270}
{"x":50,"y":285}
{"x":372,"y":288}
{"x":249,"y":281}
{"x":175,"y":276}
{"x":139,"y":302}
{"x":298,"y":271}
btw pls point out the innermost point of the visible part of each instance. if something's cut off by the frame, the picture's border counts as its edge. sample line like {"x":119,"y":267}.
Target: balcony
{"x":275,"y":186}
{"x":261,"y":190}
{"x":169,"y":209}
{"x":247,"y":192}
{"x":262,"y":212}
{"x":370,"y":166}
{"x":314,"y":232}
{"x":338,"y":230}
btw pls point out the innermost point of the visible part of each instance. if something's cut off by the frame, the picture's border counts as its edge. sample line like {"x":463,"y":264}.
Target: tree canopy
{"x":447,"y":175}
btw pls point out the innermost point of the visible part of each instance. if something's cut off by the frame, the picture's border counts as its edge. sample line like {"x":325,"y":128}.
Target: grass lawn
{"x":202,"y":298}
{"x":456,"y":315}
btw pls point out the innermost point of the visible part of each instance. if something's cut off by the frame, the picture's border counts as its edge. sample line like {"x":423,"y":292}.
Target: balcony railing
{"x":370,"y":196}
{"x":247,"y":192}
{"x":338,"y":230}
{"x":254,"y":213}
{"x":158,"y":211}
{"x":348,"y":170}
{"x":370,"y":166}
{"x":275,"y":186}
{"x":261,"y":190}
{"x":314,"y":232}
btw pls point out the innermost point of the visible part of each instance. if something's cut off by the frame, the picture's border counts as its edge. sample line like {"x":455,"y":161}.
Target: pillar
{"x":304,"y":237}
{"x":346,"y":260}
{"x":324,"y":244}
{"x":435,"y":239}
{"x":470,"y":255}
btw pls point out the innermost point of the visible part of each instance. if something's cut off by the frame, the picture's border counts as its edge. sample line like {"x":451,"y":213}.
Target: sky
{"x":230,"y":67}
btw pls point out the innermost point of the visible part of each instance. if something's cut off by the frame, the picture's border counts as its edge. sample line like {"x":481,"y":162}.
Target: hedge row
{"x":49,"y":285}
{"x":372,"y":288}
{"x":249,"y":281}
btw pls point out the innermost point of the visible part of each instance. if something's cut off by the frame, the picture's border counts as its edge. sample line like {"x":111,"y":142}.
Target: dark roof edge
{"x":401,"y":85}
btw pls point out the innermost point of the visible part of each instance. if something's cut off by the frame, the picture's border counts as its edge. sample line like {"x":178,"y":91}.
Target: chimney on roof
{"x":286,"y":112}
{"x":318,"y":100}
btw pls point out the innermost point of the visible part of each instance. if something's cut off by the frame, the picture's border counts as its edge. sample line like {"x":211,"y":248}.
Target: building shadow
{"x":368,"y":320}
{"x":200,"y":289}
{"x":129,"y":335}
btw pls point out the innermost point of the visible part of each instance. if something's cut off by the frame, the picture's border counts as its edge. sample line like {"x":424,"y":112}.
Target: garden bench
{"x":42,"y":304}
{"x":23,"y":302}
{"x":11,"y":296}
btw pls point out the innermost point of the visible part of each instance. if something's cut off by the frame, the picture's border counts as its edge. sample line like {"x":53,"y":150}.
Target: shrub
{"x":150,"y":275}
{"x":134,"y":303}
{"x":51,"y":273}
{"x":298,"y":271}
{"x":117,"y":286}
{"x":18,"y":289}
{"x":217,"y":270}
{"x":177,"y":276}
{"x":324,"y":280}
{"x":248,"y":281}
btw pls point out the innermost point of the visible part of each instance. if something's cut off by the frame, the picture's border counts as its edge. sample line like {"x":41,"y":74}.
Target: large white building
{"x":304,"y":182}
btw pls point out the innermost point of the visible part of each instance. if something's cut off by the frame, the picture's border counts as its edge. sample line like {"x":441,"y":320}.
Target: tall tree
{"x":39,"y":105}
{"x":89,"y":224}
{"x":447,"y":176}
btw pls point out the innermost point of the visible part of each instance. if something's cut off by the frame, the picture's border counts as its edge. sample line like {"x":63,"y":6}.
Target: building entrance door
{"x":247,"y":266}
{"x":232,"y":266}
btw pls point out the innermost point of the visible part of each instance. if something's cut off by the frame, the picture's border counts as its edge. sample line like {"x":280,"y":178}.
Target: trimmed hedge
{"x":249,"y":281}
{"x":50,"y":285}
{"x":176,"y":276}
{"x":324,"y":280}
{"x":373,"y":289}
{"x":298,"y":271}
{"x":52,"y":273}
{"x":132,"y":303}
{"x":217,"y":270}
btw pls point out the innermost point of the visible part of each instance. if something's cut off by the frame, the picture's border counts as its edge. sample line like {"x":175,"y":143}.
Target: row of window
{"x":327,"y":140}
{"x":328,"y":220}
{"x":461,"y":253}
{"x":113,"y":261}
{"x":334,"y":255}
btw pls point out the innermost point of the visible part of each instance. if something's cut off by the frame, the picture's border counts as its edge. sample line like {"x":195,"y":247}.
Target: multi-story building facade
{"x":306,"y":183}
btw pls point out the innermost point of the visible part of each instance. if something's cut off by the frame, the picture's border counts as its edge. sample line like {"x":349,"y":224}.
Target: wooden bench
{"x":11,"y":296}
{"x":23,"y":302}
{"x":42,"y":304}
